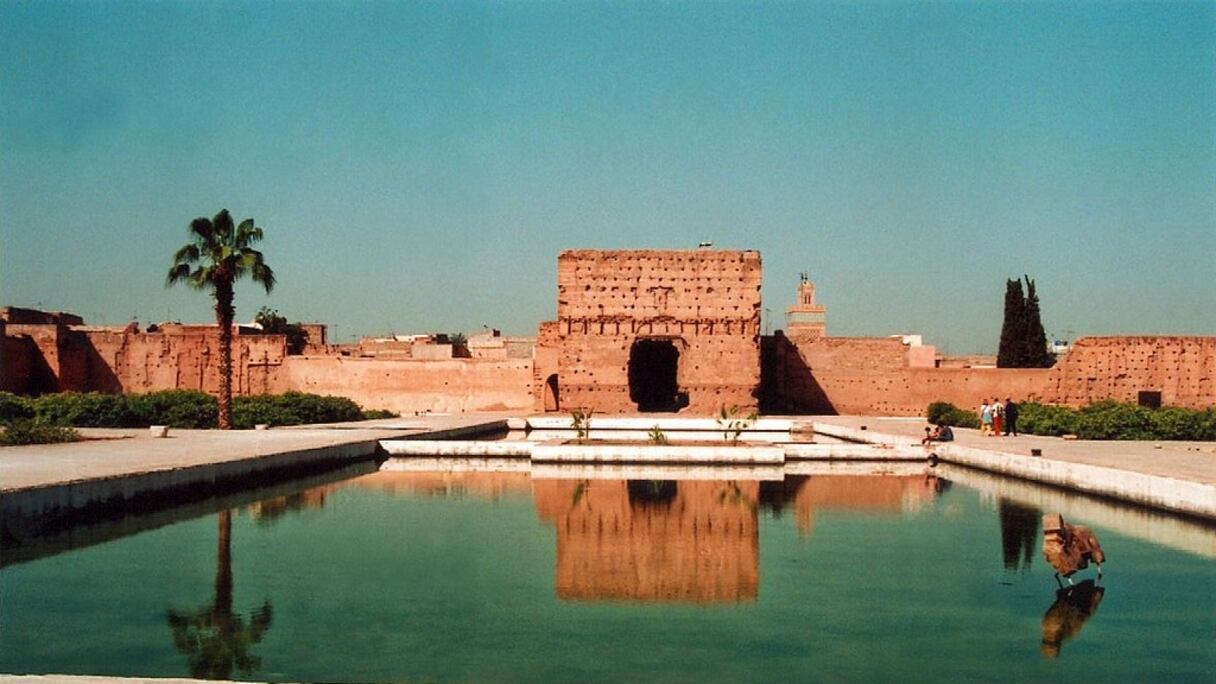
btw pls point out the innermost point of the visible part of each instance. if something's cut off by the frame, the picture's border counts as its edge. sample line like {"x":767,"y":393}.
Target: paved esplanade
{"x":1191,"y":461}
{"x":134,"y":451}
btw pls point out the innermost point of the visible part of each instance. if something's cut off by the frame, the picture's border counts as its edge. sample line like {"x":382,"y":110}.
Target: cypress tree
{"x":1012,"y":347}
{"x":1035,"y":337}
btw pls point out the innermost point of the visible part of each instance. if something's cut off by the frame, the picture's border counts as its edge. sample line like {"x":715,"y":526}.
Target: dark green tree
{"x":274,"y":323}
{"x":1035,"y":354}
{"x":219,"y":254}
{"x":1009,"y":353}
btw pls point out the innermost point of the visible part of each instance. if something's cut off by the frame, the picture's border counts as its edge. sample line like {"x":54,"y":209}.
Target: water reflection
{"x":874,"y":493}
{"x":1019,"y":532}
{"x":653,"y":540}
{"x":214,"y":638}
{"x":1074,"y":606}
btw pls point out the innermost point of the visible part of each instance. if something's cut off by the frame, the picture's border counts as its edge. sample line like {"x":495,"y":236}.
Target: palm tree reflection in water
{"x":215,"y":639}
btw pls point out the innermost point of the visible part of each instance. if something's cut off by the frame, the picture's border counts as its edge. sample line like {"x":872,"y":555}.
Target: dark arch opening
{"x":552,"y":394}
{"x":653,"y":367}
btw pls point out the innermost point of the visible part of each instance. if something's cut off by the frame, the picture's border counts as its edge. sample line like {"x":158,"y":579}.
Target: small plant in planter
{"x":656,"y":435}
{"x":581,"y":423}
{"x":732,"y":424}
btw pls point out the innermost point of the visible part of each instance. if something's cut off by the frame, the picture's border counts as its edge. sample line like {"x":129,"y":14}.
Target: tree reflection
{"x":1019,"y":531}
{"x":215,"y":639}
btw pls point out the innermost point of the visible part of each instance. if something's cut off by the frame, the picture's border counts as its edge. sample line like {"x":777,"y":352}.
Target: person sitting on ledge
{"x":941,"y":433}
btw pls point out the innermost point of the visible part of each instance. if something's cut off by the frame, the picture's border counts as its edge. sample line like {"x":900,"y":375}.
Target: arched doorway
{"x":653,"y":368}
{"x":552,"y":394}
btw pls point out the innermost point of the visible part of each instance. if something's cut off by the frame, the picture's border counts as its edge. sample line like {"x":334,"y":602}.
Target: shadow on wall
{"x":100,"y":376}
{"x":787,"y":383}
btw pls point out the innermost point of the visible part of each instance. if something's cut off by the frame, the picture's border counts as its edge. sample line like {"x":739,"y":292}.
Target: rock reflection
{"x":874,"y":493}
{"x":653,"y":540}
{"x":1019,"y":532}
{"x":1064,"y":619}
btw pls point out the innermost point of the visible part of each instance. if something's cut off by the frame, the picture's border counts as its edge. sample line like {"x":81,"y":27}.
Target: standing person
{"x":1011,"y":417}
{"x":985,"y":418}
{"x":998,"y":412}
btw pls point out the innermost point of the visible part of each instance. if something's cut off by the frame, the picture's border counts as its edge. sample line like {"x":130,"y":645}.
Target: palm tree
{"x":218,"y":255}
{"x":215,"y":639}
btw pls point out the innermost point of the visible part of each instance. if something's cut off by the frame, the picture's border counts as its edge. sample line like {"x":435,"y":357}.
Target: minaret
{"x":805,"y":318}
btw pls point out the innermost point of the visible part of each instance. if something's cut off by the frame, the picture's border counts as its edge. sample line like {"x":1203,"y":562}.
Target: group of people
{"x":996,"y":419}
{"x":995,"y":416}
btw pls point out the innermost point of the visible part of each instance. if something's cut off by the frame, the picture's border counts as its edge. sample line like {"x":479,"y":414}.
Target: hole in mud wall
{"x":653,"y":367}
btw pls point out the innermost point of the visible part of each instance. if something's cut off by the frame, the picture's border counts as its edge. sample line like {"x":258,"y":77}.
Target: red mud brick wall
{"x":410,"y":385}
{"x":1183,"y":369}
{"x":707,"y":302}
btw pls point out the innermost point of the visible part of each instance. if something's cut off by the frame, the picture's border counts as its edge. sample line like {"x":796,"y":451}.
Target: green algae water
{"x":510,"y":577}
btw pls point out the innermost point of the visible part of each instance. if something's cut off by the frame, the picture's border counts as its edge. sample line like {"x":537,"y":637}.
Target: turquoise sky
{"x":418,"y":167}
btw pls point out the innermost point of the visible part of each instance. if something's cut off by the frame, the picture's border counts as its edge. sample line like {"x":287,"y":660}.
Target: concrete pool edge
{"x":1174,"y":495}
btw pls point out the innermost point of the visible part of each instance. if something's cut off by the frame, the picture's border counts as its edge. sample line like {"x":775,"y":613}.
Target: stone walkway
{"x":1191,"y":461}
{"x":117,"y":453}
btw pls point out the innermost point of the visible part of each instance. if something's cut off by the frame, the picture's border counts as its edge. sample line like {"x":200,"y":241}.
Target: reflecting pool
{"x":914,"y":574}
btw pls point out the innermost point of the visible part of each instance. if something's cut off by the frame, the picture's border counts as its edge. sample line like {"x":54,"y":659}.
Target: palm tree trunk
{"x":223,"y":566}
{"x":224,"y":313}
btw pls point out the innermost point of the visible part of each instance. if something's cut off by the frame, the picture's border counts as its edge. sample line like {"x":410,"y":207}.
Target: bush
{"x":293,"y":408}
{"x":376,"y":414}
{"x":945,"y":413}
{"x":14,"y":407}
{"x":1044,"y":419}
{"x":183,"y":409}
{"x":186,"y":409}
{"x":1116,"y":421}
{"x":25,"y":431}
{"x":91,"y":409}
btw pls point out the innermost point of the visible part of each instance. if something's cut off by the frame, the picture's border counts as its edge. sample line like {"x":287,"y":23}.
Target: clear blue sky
{"x":418,"y":166}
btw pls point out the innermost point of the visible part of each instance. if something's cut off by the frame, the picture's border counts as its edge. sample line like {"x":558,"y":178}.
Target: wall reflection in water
{"x":647,"y":540}
{"x":892,"y":494}
{"x":694,"y":541}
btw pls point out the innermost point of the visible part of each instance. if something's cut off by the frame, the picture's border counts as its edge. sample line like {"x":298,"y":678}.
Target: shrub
{"x":25,"y":431}
{"x":189,"y":409}
{"x":1044,"y":419}
{"x":90,"y":409}
{"x":376,"y":414}
{"x":14,"y":407}
{"x":293,"y":408}
{"x":1112,"y":420}
{"x":945,"y":413}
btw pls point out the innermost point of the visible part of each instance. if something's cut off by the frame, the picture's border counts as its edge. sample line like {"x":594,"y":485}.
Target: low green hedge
{"x":23,"y":431}
{"x":292,"y":408}
{"x":188,"y":409}
{"x":15,"y":407}
{"x":1105,"y":420}
{"x":945,"y":413}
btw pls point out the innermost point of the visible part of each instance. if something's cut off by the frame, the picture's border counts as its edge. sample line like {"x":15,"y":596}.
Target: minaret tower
{"x":805,"y":318}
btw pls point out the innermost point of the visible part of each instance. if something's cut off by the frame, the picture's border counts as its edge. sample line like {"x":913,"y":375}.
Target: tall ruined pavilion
{"x":653,"y":330}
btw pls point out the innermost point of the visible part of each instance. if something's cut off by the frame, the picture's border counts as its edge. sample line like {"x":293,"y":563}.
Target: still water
{"x":510,"y":577}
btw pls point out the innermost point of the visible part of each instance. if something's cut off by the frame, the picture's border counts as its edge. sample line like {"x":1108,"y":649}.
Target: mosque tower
{"x":805,"y":318}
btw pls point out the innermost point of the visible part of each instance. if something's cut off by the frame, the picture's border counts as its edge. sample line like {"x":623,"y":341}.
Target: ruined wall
{"x":125,"y":361}
{"x":866,"y":376}
{"x":705,"y":302}
{"x":410,"y":385}
{"x":1183,"y":369}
